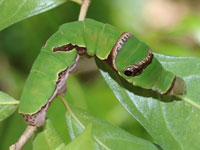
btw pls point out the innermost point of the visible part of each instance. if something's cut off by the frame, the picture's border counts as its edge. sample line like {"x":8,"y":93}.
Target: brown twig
{"x":30,"y":130}
{"x":84,"y":9}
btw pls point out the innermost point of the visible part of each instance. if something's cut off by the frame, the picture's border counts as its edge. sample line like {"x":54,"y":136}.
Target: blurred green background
{"x":170,"y":27}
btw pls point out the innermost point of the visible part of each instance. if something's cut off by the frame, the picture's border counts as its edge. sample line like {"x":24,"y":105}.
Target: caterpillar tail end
{"x":179,"y":87}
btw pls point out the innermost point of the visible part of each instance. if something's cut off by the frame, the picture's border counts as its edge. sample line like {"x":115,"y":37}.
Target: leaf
{"x":84,"y":141}
{"x":8,"y":105}
{"x":14,"y":11}
{"x":172,"y":122}
{"x":107,"y":136}
{"x":48,"y":139}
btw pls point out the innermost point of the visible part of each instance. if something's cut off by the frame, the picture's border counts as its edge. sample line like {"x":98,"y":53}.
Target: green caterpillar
{"x":128,"y":56}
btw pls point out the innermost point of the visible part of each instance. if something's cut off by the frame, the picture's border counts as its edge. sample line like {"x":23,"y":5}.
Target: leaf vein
{"x":18,"y":9}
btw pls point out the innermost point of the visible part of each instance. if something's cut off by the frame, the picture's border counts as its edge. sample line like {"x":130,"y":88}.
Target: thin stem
{"x":70,"y":111}
{"x":84,"y":9}
{"x":10,"y":103}
{"x":30,"y":130}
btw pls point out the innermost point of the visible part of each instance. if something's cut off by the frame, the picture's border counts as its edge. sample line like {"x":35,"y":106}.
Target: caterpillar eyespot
{"x":128,"y":73}
{"x":130,"y":58}
{"x":137,"y":69}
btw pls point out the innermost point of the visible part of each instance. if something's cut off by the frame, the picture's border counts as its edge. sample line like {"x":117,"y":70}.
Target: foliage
{"x":106,"y":136}
{"x":8,"y":105}
{"x":13,"y":12}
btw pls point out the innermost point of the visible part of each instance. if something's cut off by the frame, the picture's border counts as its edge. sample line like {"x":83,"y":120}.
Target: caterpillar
{"x":130,"y":58}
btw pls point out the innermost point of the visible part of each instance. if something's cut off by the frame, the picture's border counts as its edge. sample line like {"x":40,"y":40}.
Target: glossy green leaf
{"x":8,"y":105}
{"x":48,"y":139}
{"x":14,"y":11}
{"x":84,"y":141}
{"x":172,"y":122}
{"x":106,"y":136}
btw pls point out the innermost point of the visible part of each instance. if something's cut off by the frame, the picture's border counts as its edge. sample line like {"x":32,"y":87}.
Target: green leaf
{"x":84,"y":141}
{"x":8,"y":105}
{"x":172,"y":122}
{"x":48,"y":139}
{"x":106,"y":136}
{"x":14,"y":11}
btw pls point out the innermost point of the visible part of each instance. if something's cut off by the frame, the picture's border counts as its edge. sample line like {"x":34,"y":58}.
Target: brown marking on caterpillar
{"x":63,"y":75}
{"x":117,"y":47}
{"x":137,"y":69}
{"x":170,"y":88}
{"x":81,"y":50}
{"x":38,"y":118}
{"x":63,"y":48}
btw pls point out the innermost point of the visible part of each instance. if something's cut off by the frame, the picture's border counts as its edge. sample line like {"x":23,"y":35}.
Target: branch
{"x":84,"y":9}
{"x":30,"y":130}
